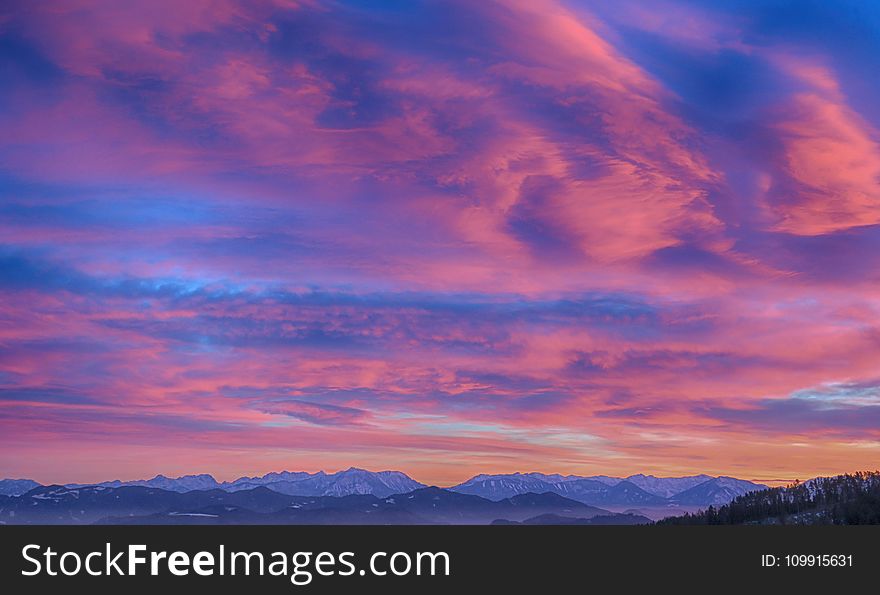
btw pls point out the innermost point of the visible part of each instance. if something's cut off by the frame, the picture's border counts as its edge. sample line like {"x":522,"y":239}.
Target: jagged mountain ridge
{"x":297,"y":483}
{"x":636,"y":490}
{"x":16,"y":487}
{"x":601,"y":490}
{"x":719,"y":490}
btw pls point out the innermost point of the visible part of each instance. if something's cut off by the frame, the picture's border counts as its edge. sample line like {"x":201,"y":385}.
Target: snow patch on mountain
{"x":16,"y":487}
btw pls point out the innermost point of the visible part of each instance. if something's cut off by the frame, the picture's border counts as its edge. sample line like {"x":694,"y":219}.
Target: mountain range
{"x":633,"y":492}
{"x":262,"y":506}
{"x":16,"y":487}
{"x":297,"y":483}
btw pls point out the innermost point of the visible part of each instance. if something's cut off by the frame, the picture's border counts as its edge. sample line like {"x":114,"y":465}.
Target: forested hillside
{"x":852,"y":499}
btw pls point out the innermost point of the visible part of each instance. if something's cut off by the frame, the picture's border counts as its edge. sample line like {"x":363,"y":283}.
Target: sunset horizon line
{"x":224,"y":479}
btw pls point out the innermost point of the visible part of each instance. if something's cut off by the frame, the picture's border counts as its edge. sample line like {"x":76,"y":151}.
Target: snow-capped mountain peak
{"x":16,"y":487}
{"x":603,"y":490}
{"x":666,"y":487}
{"x":599,"y":490}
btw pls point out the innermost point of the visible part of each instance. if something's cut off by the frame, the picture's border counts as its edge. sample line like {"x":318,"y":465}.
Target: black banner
{"x":401,"y":559}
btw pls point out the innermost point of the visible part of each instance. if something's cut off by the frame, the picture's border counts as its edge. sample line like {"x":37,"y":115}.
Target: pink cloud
{"x":831,"y":154}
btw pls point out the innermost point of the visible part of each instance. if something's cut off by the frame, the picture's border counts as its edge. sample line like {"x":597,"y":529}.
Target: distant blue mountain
{"x":716,"y":491}
{"x":144,"y":505}
{"x":344,"y":483}
{"x":300,"y":483}
{"x":185,"y":483}
{"x":666,"y":487}
{"x":635,"y":491}
{"x":16,"y":487}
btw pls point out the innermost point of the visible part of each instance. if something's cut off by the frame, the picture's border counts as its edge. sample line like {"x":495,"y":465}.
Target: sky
{"x":446,"y":238}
